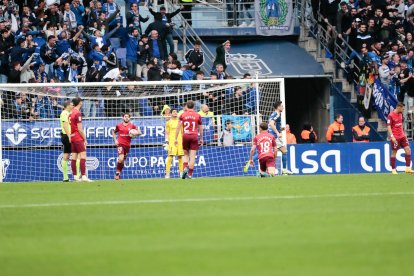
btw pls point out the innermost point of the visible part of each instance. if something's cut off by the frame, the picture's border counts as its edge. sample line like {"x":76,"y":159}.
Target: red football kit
{"x":265,"y":143}
{"x":77,"y":141}
{"x":191,"y":122}
{"x":124,"y":139}
{"x":395,"y":121}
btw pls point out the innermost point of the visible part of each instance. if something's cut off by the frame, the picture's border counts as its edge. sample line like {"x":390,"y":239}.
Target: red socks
{"x":393,"y":160}
{"x":190,"y":172}
{"x":83,"y":166}
{"x":73,"y":166}
{"x":119,"y":167}
{"x":185,"y":165}
{"x":408,"y":160}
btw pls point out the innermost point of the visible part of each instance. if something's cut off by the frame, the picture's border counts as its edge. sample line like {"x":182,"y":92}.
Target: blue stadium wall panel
{"x":212,"y":161}
{"x":271,"y":58}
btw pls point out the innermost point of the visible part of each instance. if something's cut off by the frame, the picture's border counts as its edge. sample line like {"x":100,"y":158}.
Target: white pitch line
{"x":184,"y":200}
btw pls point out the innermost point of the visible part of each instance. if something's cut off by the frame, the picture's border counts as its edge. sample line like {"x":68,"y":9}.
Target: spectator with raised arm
{"x":223,"y":55}
{"x":165,"y":18}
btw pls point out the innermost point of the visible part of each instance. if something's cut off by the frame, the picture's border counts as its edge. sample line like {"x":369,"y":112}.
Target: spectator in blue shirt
{"x":131,"y":52}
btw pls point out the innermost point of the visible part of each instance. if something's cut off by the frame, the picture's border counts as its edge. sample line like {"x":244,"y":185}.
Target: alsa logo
{"x":92,"y":163}
{"x":16,"y":134}
{"x":373,"y":159}
{"x":5,"y":163}
{"x":312,"y":162}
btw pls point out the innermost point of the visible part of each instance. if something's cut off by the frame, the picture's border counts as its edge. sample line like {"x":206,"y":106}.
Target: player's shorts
{"x":67,"y":147}
{"x":175,"y":150}
{"x":267,"y":162}
{"x":280,"y":143}
{"x":78,"y":147}
{"x":401,"y":143}
{"x":122,"y":149}
{"x":190,"y":142}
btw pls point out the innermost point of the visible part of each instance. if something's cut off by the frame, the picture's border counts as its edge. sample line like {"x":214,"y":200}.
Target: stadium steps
{"x":309,"y":44}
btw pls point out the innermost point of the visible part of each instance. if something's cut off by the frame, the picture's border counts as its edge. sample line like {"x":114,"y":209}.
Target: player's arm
{"x":253,"y":148}
{"x":200,"y":129}
{"x":273,"y":126}
{"x":114,"y":136}
{"x":177,"y":132}
{"x":139,"y":131}
{"x":82,"y":134}
{"x":390,"y":132}
{"x":167,"y":132}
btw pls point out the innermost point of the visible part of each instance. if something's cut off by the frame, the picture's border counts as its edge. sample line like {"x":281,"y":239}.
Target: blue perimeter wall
{"x":212,"y":161}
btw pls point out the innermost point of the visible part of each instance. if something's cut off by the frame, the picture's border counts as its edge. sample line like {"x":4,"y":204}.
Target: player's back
{"x":265,"y":143}
{"x":277,"y":118}
{"x":191,"y":121}
{"x":75,"y":117}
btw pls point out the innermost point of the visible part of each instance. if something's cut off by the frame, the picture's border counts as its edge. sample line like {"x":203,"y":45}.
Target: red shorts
{"x":78,"y":147}
{"x":401,"y":143}
{"x":266,"y":162}
{"x":190,"y":142}
{"x":122,"y":149}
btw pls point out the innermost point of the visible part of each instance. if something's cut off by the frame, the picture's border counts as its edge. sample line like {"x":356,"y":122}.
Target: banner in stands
{"x":242,"y":127}
{"x":211,"y":161}
{"x":384,"y":101}
{"x":97,"y":131}
{"x":274,"y":17}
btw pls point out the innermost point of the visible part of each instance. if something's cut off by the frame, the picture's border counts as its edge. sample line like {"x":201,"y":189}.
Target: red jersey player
{"x":190,"y":125}
{"x":78,"y":140}
{"x":397,"y":138}
{"x":123,"y":143}
{"x":267,"y":150}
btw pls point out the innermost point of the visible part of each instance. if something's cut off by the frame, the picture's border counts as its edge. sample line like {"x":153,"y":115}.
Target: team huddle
{"x":184,"y":134}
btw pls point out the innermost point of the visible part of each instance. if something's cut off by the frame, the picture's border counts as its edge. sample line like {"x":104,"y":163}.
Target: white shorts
{"x":280,"y":143}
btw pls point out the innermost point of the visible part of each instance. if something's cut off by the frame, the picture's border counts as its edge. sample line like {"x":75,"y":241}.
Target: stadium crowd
{"x":77,"y":41}
{"x":380,"y":32}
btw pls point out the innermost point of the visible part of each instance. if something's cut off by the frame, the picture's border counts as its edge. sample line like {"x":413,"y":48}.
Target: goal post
{"x":31,"y":149}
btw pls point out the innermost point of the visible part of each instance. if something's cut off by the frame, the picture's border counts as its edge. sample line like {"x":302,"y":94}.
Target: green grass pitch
{"x":299,"y":225}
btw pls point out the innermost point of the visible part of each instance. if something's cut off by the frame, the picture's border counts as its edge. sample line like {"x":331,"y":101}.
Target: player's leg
{"x":83,"y":163}
{"x":78,"y":166}
{"x":65,"y":159}
{"x":180,"y":153}
{"x":191,"y":162}
{"x":262,"y":168}
{"x":285,"y":170}
{"x":186,"y":149}
{"x":180,"y":163}
{"x":185,"y":164}
{"x":65,"y":167}
{"x":120,"y":162}
{"x":192,"y":155}
{"x":394,"y":148}
{"x":168,"y":163}
{"x":270,"y":164}
{"x":73,"y":164}
{"x":407,"y":150}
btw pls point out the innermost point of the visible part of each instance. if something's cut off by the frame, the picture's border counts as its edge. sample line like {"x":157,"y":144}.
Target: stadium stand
{"x":78,"y":41}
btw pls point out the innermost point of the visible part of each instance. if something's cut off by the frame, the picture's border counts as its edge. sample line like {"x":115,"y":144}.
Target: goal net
{"x":31,"y":148}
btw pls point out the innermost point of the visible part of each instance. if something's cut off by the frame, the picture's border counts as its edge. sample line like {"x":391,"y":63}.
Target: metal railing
{"x":188,"y":36}
{"x":328,"y":39}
